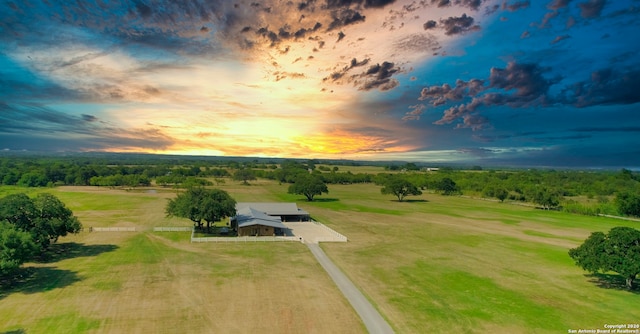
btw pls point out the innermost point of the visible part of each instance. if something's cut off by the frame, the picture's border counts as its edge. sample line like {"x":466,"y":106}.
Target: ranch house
{"x":265,"y":219}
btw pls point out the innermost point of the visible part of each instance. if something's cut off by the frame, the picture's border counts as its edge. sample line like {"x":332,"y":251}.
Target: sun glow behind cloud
{"x":273,"y":94}
{"x":329,"y":78}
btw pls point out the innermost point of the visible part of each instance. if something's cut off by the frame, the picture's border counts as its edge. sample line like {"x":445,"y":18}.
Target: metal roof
{"x":274,"y":209}
{"x":248,"y":216}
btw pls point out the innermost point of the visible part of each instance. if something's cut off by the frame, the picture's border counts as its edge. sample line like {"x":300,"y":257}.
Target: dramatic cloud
{"x":516,"y":86}
{"x":369,"y":79}
{"x":440,"y":95}
{"x":379,"y":76}
{"x":512,"y":7}
{"x":472,"y":4}
{"x":430,"y":24}
{"x":591,"y":8}
{"x":49,"y":127}
{"x":558,"y":4}
{"x":606,"y":86}
{"x":458,"y":25}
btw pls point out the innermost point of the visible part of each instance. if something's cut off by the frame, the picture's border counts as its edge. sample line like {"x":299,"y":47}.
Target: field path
{"x":369,"y":315}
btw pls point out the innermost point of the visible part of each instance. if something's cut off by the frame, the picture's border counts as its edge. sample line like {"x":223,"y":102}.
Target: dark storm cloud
{"x":89,"y":118}
{"x":458,"y":25}
{"x":28,"y":89}
{"x":472,"y":4}
{"x":557,"y":4}
{"x":379,"y":77}
{"x":26,"y":117}
{"x":605,"y":87}
{"x":32,"y":123}
{"x":439,"y":95}
{"x":429,"y":24}
{"x":143,"y":10}
{"x":441,"y":3}
{"x":525,"y":85}
{"x":336,"y":75}
{"x":173,"y":26}
{"x":512,"y":7}
{"x":525,"y":79}
{"x":516,"y":86}
{"x":591,"y":8}
{"x":377,"y":3}
{"x":348,"y":3}
{"x":345,"y":17}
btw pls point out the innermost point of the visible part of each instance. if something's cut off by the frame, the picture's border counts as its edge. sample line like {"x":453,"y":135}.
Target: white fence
{"x":112,"y":229}
{"x":243,"y":239}
{"x":340,"y":237}
{"x":618,"y":217}
{"x":172,"y":229}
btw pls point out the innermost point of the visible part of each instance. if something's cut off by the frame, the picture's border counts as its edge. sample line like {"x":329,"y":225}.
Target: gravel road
{"x":369,"y":315}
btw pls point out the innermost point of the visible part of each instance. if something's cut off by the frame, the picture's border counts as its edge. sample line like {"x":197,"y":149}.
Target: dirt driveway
{"x":311,"y":232}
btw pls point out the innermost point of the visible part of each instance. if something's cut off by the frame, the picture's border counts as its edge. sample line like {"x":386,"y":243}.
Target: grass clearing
{"x":428,"y":264}
{"x":123,"y":282}
{"x":471,"y":265}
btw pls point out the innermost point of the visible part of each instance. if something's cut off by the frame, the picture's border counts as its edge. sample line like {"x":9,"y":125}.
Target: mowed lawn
{"x":433,"y":263}
{"x":439,"y":263}
{"x":153,"y":282}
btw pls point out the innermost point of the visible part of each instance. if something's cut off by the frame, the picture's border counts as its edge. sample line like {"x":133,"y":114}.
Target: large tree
{"x":16,"y":248}
{"x":546,"y":197}
{"x":400,"y":187}
{"x":447,"y":186}
{"x":30,"y":225}
{"x":617,"y":251}
{"x":308,"y":185}
{"x":244,"y":175}
{"x":45,"y":217}
{"x":200,"y":204}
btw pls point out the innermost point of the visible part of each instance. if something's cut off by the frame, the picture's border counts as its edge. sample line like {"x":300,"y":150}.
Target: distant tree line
{"x":607,"y":192}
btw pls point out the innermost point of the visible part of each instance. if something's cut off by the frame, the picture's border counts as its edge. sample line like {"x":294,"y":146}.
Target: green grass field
{"x":433,"y":263}
{"x":153,"y":282}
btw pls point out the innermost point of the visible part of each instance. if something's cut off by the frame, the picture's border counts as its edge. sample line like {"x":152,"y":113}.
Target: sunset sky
{"x":529,"y":83}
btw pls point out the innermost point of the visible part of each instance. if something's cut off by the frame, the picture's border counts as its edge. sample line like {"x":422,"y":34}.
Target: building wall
{"x":301,"y":218}
{"x":259,"y":230}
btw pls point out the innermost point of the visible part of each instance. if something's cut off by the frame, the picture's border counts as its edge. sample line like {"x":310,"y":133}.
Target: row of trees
{"x":546,"y":188}
{"x":29,"y":225}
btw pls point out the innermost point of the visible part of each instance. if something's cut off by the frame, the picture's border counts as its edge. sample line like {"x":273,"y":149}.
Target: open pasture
{"x":429,"y":264}
{"x":467,"y":265}
{"x":146,"y":282}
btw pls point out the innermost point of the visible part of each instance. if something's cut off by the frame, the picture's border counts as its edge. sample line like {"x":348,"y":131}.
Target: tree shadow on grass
{"x":415,"y":200}
{"x":323,"y":200}
{"x":40,"y":279}
{"x":15,"y":331}
{"x":70,"y":250}
{"x":36,"y":279}
{"x":612,"y":281}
